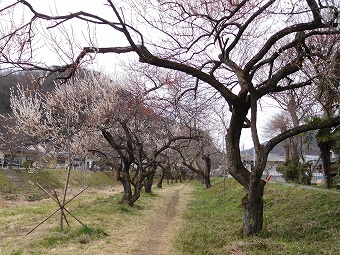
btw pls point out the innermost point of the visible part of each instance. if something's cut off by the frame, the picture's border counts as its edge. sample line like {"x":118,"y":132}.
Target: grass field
{"x":296,"y":221}
{"x":106,"y":222}
{"x":51,"y":179}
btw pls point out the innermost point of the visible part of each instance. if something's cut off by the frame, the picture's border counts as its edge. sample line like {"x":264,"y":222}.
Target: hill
{"x":8,"y":81}
{"x":20,"y":183}
{"x":309,"y":147}
{"x":28,"y":79}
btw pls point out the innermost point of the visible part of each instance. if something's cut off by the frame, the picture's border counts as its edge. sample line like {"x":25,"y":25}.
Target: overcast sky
{"x":104,"y":38}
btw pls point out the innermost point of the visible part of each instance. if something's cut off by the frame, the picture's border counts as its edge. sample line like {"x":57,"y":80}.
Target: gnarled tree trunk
{"x":124,"y":178}
{"x":207,"y":169}
{"x":325,"y":153}
{"x":252,"y":204}
{"x":161,"y":178}
{"x":136,"y":194}
{"x":148,"y":181}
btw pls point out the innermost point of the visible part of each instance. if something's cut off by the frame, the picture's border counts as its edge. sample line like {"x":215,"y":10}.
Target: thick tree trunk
{"x":161,"y":178}
{"x":123,"y":176}
{"x":293,"y":105}
{"x":127,"y":193}
{"x":11,"y":159}
{"x":136,"y":195}
{"x":206,"y":175}
{"x":325,"y":153}
{"x":148,"y":181}
{"x":138,"y":187}
{"x":207,"y":181}
{"x":252,"y":204}
{"x":295,"y":157}
{"x":326,"y":162}
{"x":286,"y":148}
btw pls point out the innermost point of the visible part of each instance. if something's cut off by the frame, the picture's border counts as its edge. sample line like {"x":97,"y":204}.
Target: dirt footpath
{"x":151,"y":231}
{"x":164,"y":221}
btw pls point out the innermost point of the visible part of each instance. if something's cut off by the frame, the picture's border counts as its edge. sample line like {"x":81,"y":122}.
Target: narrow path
{"x":307,"y":187}
{"x":151,"y":231}
{"x":164,"y":221}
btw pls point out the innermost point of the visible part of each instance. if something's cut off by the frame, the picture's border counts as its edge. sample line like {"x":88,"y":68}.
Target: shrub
{"x":299,"y":173}
{"x":26,"y":164}
{"x":336,"y":181}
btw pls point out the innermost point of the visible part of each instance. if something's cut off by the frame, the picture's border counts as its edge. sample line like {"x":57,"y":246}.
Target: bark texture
{"x":252,"y":204}
{"x":325,"y":153}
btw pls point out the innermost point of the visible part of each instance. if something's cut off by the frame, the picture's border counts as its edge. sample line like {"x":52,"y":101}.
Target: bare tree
{"x":233,"y":47}
{"x":303,"y":104}
{"x":92,"y":105}
{"x":328,"y":97}
{"x":276,"y":125}
{"x":299,"y":104}
{"x":196,"y":156}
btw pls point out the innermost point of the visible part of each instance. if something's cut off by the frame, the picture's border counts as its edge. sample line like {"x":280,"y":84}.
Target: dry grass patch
{"x":112,"y":228}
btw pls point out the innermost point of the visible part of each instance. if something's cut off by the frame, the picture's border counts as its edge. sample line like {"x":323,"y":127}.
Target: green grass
{"x":16,"y":253}
{"x":6,"y":187}
{"x":102,"y":214}
{"x":84,"y":234}
{"x":53,"y":179}
{"x":296,"y":221}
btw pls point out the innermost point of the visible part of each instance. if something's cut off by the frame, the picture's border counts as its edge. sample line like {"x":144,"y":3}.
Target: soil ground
{"x":153,"y":232}
{"x":164,"y":222}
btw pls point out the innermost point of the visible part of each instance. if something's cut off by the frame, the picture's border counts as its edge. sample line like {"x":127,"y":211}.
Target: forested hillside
{"x":27,"y":79}
{"x":309,"y":146}
{"x":5,"y":84}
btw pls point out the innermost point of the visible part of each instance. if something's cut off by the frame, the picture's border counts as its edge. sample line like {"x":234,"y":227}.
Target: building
{"x":270,"y":171}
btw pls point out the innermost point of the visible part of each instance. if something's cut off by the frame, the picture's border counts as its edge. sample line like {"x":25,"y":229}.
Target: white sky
{"x":104,"y":38}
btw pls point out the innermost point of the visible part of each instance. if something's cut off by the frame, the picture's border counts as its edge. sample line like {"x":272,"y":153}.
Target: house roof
{"x":275,"y":158}
{"x":312,"y":157}
{"x":271,"y":157}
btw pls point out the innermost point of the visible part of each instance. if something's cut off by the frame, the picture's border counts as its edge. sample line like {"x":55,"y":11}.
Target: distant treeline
{"x":30,"y":79}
